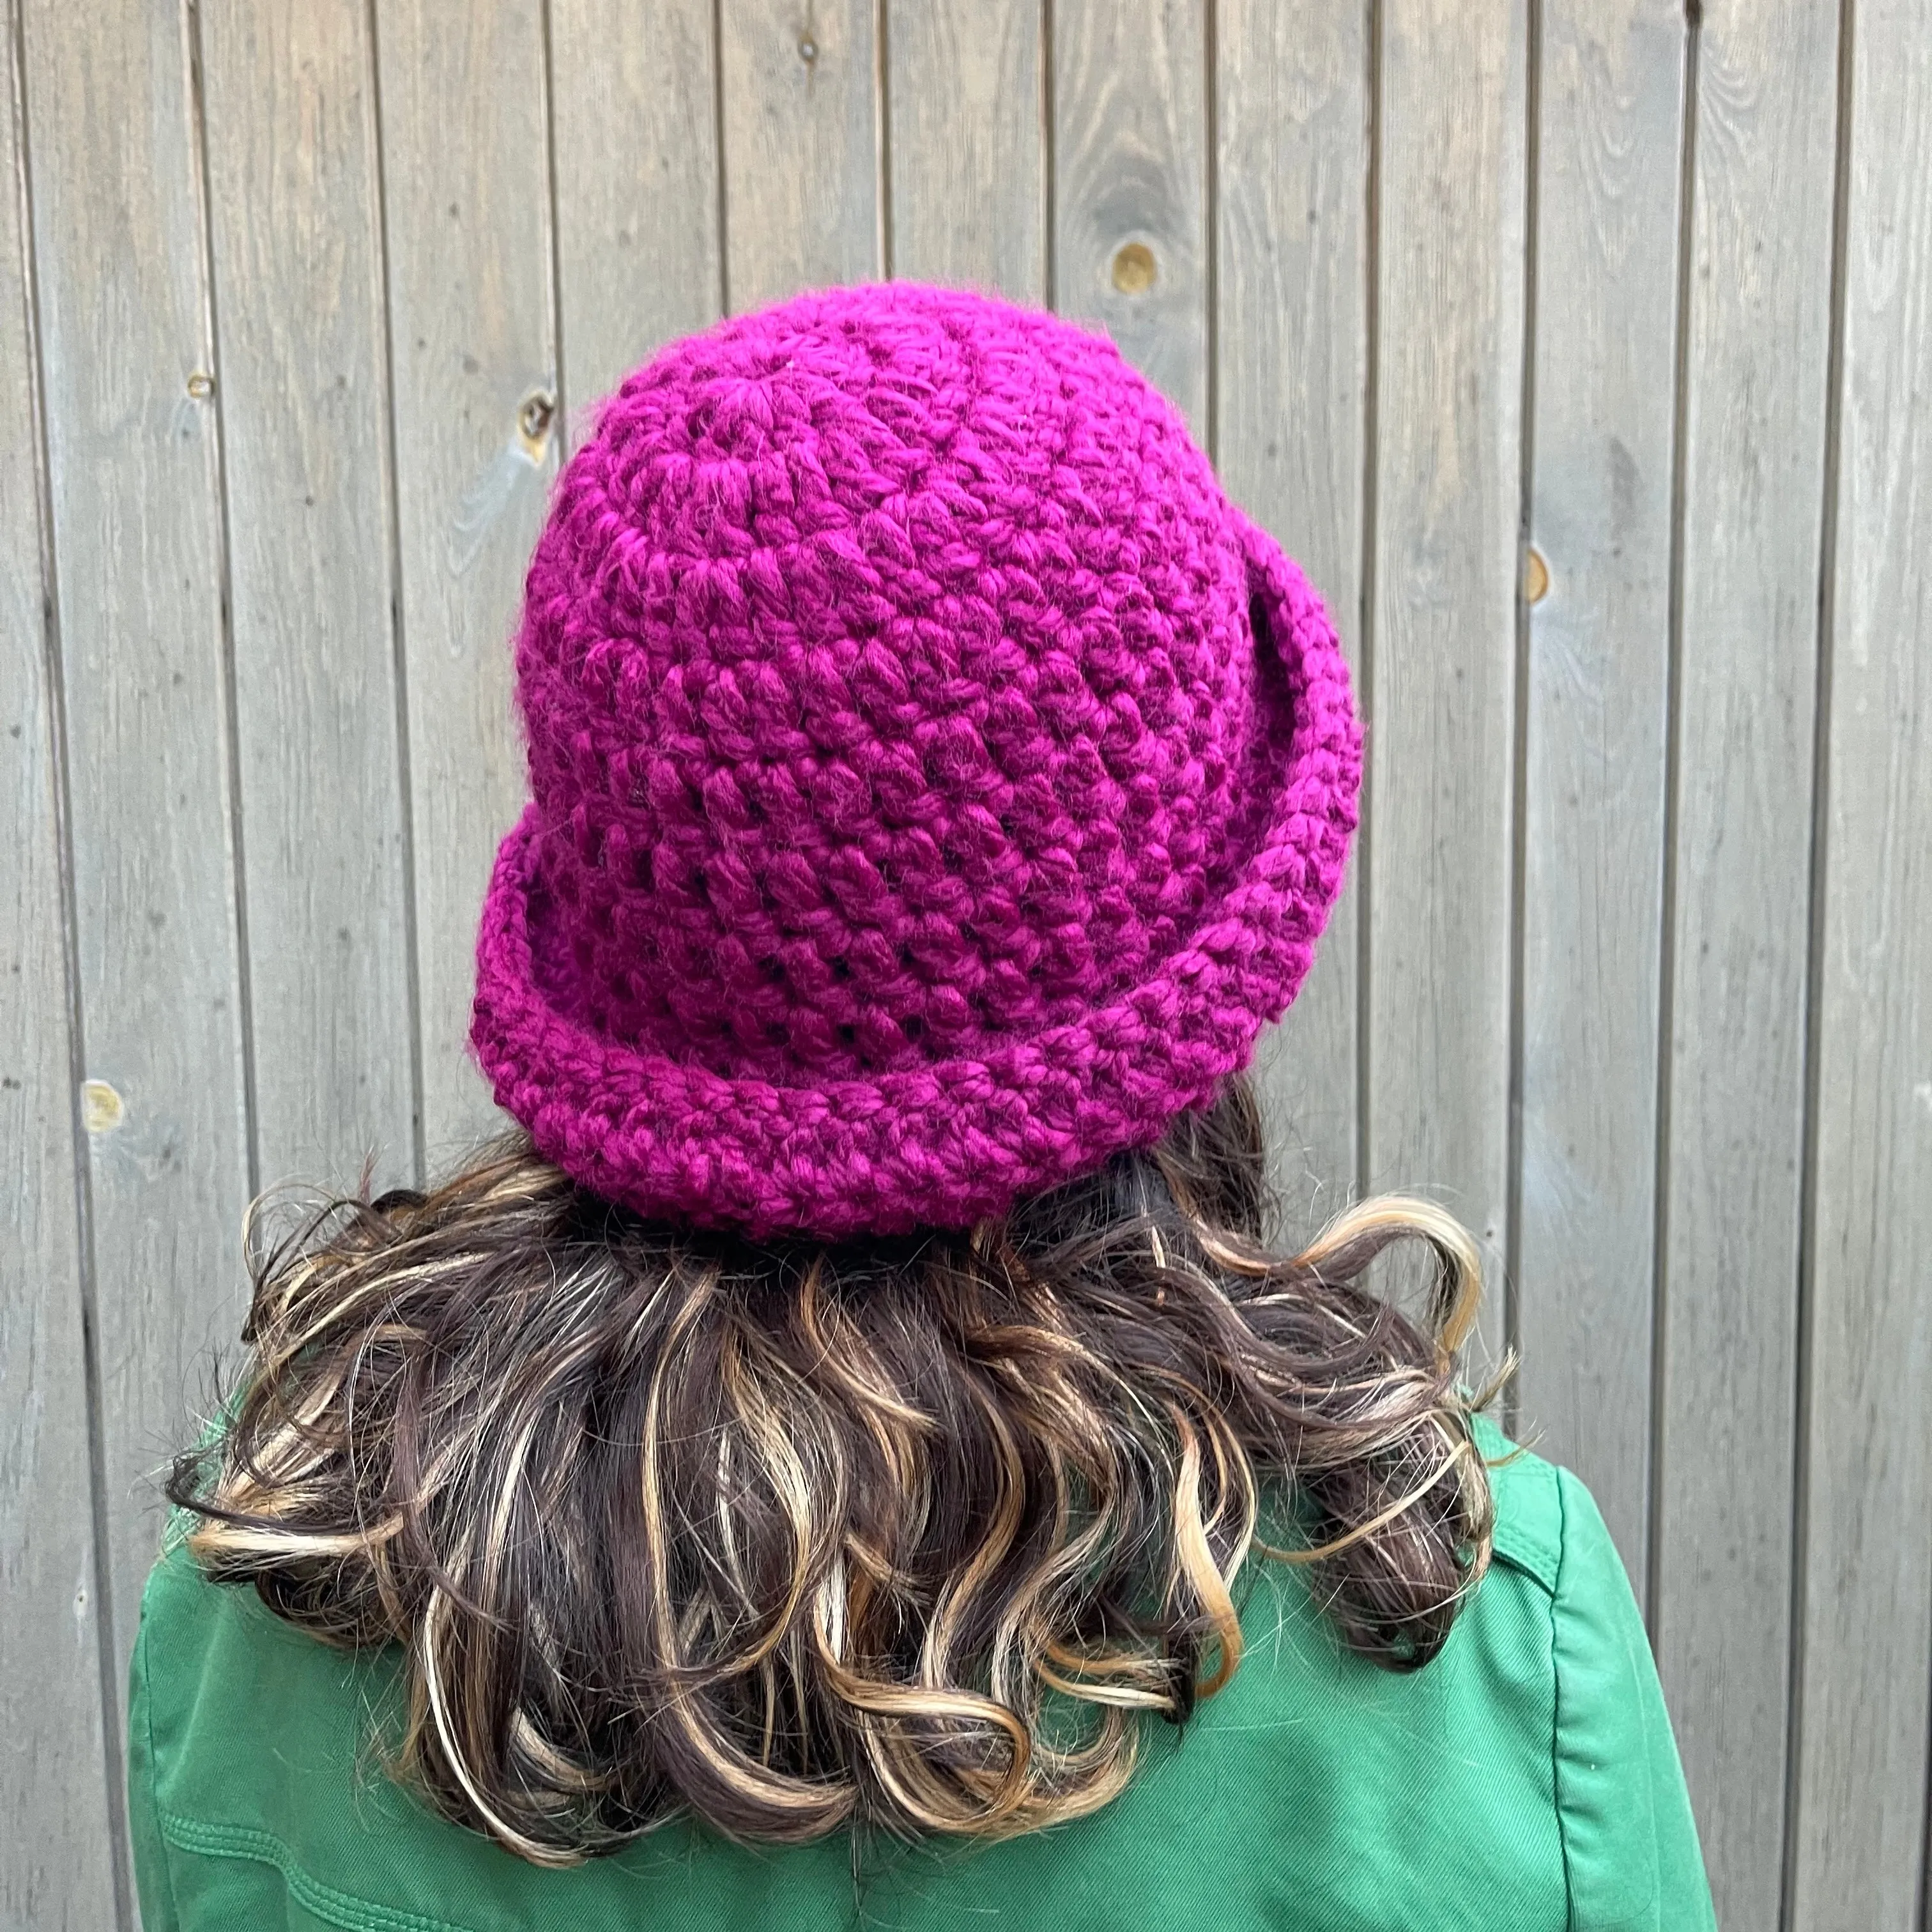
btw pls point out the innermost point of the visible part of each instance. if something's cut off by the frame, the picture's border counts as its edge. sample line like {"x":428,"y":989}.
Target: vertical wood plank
{"x":1130,"y":176}
{"x":799,"y":84}
{"x":1756,"y":335}
{"x":57,"y":1866}
{"x":1610,"y":116}
{"x":1292,"y":113}
{"x":467,"y":199}
{"x":636,"y":135}
{"x":1868,"y":1594}
{"x":132,"y":475}
{"x":968,"y":156}
{"x":1441,"y":698}
{"x":295,"y":224}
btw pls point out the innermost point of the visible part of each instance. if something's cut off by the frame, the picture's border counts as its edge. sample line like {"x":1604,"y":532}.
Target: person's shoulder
{"x":185,"y":1614}
{"x":1549,"y":1528}
{"x":180,"y":1609}
{"x":1533,"y":1499}
{"x":175,"y":1586}
{"x":1631,"y":1855}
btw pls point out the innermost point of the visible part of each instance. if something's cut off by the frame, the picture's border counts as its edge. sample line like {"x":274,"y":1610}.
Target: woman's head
{"x":910,"y":1531}
{"x":856,"y":1399}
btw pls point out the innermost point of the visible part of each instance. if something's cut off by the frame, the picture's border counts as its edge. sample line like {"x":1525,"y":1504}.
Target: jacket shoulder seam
{"x":152,"y":1770}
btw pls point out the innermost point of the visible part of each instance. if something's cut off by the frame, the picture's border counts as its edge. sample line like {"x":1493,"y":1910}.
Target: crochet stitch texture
{"x":937,"y":783}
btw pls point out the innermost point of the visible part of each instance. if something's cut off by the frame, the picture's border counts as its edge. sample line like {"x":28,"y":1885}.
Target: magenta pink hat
{"x":938,"y":783}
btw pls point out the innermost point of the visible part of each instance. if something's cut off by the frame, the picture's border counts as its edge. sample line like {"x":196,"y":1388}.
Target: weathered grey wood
{"x":1867,"y":1599}
{"x":1130,"y":178}
{"x":968,"y":169}
{"x":136,"y":532}
{"x":1610,"y":113}
{"x":1292,"y":110}
{"x":57,"y":1840}
{"x":636,"y":136}
{"x":297,"y":254}
{"x":1442,"y":645}
{"x":1753,"y":465}
{"x":801,"y":136}
{"x":467,"y":198}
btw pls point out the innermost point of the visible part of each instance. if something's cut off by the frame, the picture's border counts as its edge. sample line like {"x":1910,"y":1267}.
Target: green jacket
{"x":1525,"y":1780}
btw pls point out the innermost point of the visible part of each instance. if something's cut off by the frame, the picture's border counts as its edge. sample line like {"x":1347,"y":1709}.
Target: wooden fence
{"x":1581,"y":348}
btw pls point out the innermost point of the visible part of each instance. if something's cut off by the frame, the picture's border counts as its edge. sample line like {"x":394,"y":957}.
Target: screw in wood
{"x":536,"y":414}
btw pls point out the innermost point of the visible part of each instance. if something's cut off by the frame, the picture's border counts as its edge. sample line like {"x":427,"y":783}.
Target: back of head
{"x":854,"y":1394}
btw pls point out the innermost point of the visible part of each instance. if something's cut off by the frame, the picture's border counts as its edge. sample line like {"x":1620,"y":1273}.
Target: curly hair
{"x":915,"y":1533}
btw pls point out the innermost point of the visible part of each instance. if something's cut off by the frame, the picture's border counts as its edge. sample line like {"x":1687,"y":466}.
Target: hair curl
{"x":910,"y":1532}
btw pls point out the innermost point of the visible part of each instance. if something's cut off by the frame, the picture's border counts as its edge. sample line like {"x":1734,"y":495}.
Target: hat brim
{"x":947,"y":1143}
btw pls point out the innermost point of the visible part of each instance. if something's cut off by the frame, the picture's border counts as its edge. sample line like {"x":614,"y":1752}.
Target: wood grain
{"x":1130,"y":173}
{"x":1292,"y":110}
{"x":1754,"y":466}
{"x":57,"y":1838}
{"x":636,"y":135}
{"x":1442,"y":695}
{"x":467,"y":203}
{"x":297,"y":266}
{"x":968,"y":166}
{"x":799,"y":84}
{"x":132,"y":476}
{"x":1867,"y":1595}
{"x":1610,"y":117}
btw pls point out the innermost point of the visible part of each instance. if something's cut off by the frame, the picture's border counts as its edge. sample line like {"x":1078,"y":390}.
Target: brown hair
{"x":914,"y":1532}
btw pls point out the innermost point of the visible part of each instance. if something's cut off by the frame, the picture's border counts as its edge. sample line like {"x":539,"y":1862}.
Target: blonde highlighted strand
{"x":915,"y":1534}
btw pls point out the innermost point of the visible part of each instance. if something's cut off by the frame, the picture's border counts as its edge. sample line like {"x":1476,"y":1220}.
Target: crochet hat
{"x":937,"y":783}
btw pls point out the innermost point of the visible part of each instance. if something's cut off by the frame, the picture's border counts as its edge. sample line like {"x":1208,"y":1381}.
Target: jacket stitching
{"x":340,"y":1908}
{"x":1514,"y":1541}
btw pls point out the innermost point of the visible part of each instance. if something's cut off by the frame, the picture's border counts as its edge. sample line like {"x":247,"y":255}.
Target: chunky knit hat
{"x":938,"y":783}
